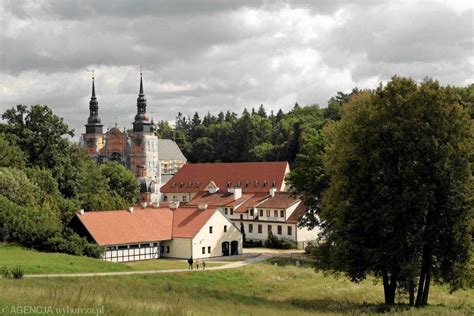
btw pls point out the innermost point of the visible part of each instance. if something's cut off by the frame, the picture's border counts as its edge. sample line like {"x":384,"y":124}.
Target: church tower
{"x":93,"y":138}
{"x":145,"y":164}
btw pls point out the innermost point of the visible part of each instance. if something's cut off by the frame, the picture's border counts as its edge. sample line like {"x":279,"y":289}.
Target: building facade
{"x":137,"y":149}
{"x":151,"y":233}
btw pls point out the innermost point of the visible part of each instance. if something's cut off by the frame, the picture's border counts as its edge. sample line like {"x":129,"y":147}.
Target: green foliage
{"x":27,"y":225}
{"x":16,"y":187}
{"x":399,"y":193}
{"x":12,"y":156}
{"x":71,"y":243}
{"x":120,"y":181}
{"x":274,"y":242}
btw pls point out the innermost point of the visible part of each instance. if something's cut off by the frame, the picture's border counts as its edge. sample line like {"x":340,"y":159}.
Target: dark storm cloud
{"x":219,"y":55}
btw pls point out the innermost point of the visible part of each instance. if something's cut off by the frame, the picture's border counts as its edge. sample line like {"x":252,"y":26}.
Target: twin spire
{"x":141,"y":123}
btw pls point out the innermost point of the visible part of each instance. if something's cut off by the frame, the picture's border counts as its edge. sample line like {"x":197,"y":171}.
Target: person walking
{"x":190,"y":262}
{"x":204,"y":265}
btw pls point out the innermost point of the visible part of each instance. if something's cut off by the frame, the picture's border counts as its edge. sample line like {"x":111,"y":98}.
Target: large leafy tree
{"x":120,"y":181}
{"x":398,"y":198}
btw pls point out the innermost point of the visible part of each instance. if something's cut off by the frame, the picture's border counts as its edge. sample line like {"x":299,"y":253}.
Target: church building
{"x":137,"y":150}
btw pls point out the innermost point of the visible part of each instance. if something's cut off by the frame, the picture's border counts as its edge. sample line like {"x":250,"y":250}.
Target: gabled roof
{"x":187,"y":222}
{"x":279,"y":200}
{"x":251,"y":176}
{"x":144,"y":224}
{"x":218,"y":199}
{"x":169,"y":150}
{"x":256,"y":199}
{"x":297,"y":214}
{"x":123,"y":227}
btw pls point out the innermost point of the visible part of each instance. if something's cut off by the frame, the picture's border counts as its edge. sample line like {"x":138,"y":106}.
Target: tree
{"x":120,"y":181}
{"x":261,"y":111}
{"x":397,"y":204}
{"x":164,"y":130}
{"x":12,"y":156}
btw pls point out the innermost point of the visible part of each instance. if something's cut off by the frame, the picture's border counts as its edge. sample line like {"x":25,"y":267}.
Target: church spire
{"x":141,"y":123}
{"x":93,"y":122}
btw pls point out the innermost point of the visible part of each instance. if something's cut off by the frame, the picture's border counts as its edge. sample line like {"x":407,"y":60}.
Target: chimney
{"x":202,"y":206}
{"x":173,"y":205}
{"x":272,"y":191}
{"x":237,"y":193}
{"x":130,"y":209}
{"x":81,"y":211}
{"x":213,"y":190}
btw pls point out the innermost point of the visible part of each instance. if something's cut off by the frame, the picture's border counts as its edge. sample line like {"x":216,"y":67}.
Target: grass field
{"x":33,"y":262}
{"x":272,"y":288}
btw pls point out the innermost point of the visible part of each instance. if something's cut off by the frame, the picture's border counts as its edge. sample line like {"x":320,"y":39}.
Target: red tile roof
{"x":297,"y":213}
{"x":188,"y":221}
{"x":144,"y":225}
{"x":259,"y":176}
{"x":279,"y":200}
{"x":252,"y":202}
{"x":218,"y":199}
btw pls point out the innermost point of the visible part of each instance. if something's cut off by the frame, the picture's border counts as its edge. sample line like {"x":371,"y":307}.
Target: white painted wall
{"x":205,"y":239}
{"x":179,"y":248}
{"x":305,"y":235}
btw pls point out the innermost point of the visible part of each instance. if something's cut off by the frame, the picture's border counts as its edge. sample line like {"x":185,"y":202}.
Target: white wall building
{"x":151,"y":233}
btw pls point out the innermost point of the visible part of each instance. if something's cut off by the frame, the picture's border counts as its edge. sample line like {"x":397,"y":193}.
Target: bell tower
{"x":94,"y":137}
{"x":145,"y":164}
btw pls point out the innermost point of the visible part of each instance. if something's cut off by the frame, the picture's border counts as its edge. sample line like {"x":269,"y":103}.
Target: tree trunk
{"x":426,"y":290}
{"x":411,"y":290}
{"x":389,"y":287}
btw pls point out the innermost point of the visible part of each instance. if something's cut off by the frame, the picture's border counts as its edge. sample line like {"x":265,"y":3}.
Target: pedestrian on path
{"x":204,"y":265}
{"x":197,"y":265}
{"x":190,"y":262}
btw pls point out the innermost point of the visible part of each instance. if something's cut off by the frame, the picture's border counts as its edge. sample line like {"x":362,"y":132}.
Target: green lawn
{"x":33,"y":262}
{"x":258,"y":289}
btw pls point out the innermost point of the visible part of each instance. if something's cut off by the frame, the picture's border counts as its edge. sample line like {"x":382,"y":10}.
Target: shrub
{"x":5,"y":272}
{"x":277,"y":243}
{"x":71,"y":243}
{"x":17,"y":272}
{"x":252,"y":244}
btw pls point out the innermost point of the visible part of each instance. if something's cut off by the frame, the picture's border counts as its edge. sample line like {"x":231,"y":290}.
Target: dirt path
{"x":231,"y":265}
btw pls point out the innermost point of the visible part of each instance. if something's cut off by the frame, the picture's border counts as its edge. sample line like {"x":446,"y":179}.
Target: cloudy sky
{"x":221,"y":55}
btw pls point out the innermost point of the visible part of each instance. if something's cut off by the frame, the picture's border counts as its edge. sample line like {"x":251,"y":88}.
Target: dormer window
{"x":181,"y":184}
{"x":228,"y":184}
{"x":255,"y":184}
{"x":264,"y":183}
{"x":273,"y":184}
{"x":173,"y":185}
{"x":198,"y":184}
{"x":190,"y":184}
{"x":238,"y":184}
{"x":247,"y":183}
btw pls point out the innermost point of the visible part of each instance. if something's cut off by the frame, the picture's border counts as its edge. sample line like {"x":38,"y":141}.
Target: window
{"x":165,"y":198}
{"x":209,"y":249}
{"x":282,"y":213}
{"x":185,"y":198}
{"x":279,"y":229}
{"x":241,"y":216}
{"x":261,"y":213}
{"x":162,"y":248}
{"x":167,"y":249}
{"x":247,"y":183}
{"x":269,"y":227}
{"x":225,"y":228}
{"x":259,"y":228}
{"x":268,"y":213}
{"x":203,"y":250}
{"x":265,"y":183}
{"x":251,"y":212}
{"x":289,"y":231}
{"x":275,"y":213}
{"x":250,"y":228}
{"x":231,"y":211}
{"x":273,"y":184}
{"x":228,"y":184}
{"x":181,"y":184}
{"x":225,"y":210}
{"x":255,"y":183}
{"x":210,"y":229}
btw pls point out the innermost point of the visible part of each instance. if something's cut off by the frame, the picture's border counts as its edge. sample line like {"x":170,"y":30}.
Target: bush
{"x":310,"y":247}
{"x":71,"y":243}
{"x":252,"y":244}
{"x":277,"y":243}
{"x":17,"y":272}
